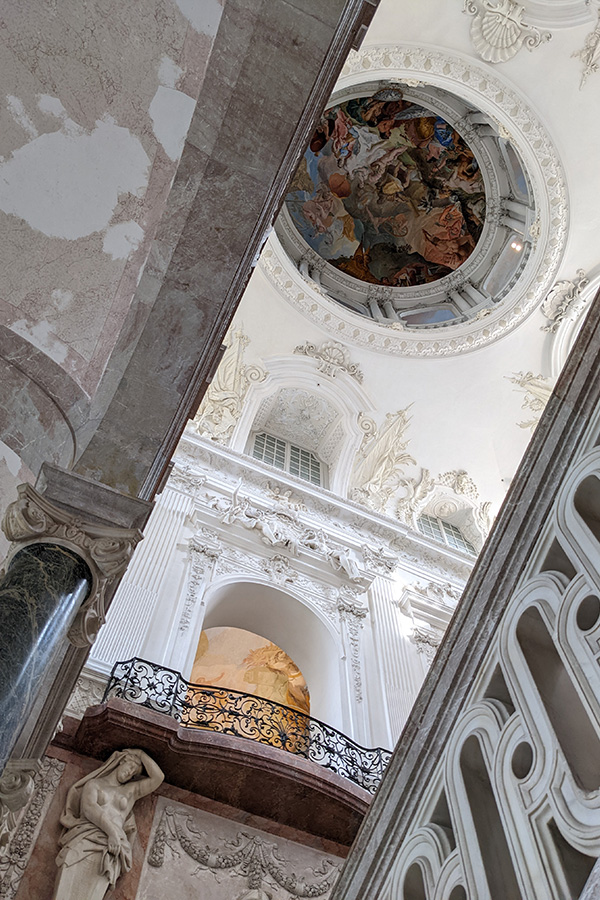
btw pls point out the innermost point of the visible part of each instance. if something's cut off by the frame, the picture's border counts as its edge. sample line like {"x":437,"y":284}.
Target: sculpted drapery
{"x":96,"y":845}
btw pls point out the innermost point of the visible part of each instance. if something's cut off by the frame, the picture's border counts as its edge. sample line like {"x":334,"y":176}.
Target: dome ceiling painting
{"x":388,"y":192}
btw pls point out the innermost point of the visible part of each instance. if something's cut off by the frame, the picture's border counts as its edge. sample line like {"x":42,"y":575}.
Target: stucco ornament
{"x":380,"y":460}
{"x":222,"y":405}
{"x":96,"y":845}
{"x":590,"y":53}
{"x":498,"y":31}
{"x":564,"y":301}
{"x":332,"y":357}
{"x":537,"y":390}
{"x":258,"y":863}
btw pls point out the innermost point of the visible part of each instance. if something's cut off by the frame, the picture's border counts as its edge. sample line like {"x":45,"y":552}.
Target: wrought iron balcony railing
{"x":244,"y":715}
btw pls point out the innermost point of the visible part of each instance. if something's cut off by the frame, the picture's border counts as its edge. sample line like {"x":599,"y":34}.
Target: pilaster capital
{"x":105,"y":548}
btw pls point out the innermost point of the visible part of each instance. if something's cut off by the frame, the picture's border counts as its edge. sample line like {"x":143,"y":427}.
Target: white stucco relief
{"x":537,"y":390}
{"x":87,"y":173}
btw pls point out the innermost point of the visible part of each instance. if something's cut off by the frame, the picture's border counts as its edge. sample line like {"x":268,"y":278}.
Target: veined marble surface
{"x":39,"y":595}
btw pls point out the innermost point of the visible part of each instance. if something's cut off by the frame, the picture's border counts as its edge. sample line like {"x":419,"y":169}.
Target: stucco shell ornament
{"x":474,"y":86}
{"x":498,"y":31}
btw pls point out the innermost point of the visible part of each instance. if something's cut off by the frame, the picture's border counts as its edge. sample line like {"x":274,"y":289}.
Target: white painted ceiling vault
{"x":472,"y":392}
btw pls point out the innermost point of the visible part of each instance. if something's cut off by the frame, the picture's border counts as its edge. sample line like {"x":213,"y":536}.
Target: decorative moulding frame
{"x":495,"y":96}
{"x":452,"y":109}
{"x":344,"y":393}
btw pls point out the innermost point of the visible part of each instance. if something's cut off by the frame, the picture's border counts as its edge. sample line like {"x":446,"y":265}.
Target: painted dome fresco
{"x":388,"y":192}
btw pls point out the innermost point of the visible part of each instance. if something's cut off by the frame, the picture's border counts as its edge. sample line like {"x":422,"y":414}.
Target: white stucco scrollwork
{"x":564,"y":301}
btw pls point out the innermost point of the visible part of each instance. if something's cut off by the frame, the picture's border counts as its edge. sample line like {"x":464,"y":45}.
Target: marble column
{"x":40,"y":593}
{"x":70,"y":546}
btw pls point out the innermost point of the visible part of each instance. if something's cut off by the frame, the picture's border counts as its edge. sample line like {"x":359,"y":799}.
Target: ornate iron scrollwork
{"x":245,"y":715}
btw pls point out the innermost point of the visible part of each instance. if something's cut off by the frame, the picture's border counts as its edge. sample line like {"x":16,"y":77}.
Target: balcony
{"x":246,"y":716}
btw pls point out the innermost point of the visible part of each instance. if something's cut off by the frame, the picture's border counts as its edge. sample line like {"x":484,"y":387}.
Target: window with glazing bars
{"x":445,"y":533}
{"x":289,"y":457}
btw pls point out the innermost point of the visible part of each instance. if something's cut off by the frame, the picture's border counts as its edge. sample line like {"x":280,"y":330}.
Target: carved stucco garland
{"x":254,"y":858}
{"x":106,"y":550}
{"x":201,"y":556}
{"x":589,"y":54}
{"x":352,"y":616}
{"x":474,"y":80}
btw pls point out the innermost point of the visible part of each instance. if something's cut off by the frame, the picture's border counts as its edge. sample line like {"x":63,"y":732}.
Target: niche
{"x":572,"y":726}
{"x":239,"y":660}
{"x":493,"y":847}
{"x":414,"y":886}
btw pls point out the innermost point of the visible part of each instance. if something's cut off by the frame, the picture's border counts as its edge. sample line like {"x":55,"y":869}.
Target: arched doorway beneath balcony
{"x":284,"y":620}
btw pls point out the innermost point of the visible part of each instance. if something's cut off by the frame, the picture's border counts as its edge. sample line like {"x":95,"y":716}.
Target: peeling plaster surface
{"x":67,"y":184}
{"x":95,"y":106}
{"x":171,"y":113}
{"x":17,"y":110}
{"x":121,"y":239}
{"x":203,"y":15}
{"x":169,"y":72}
{"x":12,"y":473}
{"x":10,"y":459}
{"x":41,"y":336}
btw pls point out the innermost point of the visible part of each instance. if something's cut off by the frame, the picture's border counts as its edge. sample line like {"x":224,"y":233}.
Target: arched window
{"x":287,"y":456}
{"x":445,"y":533}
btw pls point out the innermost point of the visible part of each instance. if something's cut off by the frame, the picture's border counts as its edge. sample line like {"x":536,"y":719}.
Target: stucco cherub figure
{"x":96,"y":845}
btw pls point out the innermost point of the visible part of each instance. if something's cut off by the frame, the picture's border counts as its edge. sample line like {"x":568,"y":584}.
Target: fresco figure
{"x":96,"y":845}
{"x":388,"y":192}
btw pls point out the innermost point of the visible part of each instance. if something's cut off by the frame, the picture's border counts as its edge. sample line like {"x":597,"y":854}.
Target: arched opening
{"x":240,"y":660}
{"x":414,"y":885}
{"x":568,"y":717}
{"x":458,"y":893}
{"x":285,"y":621}
{"x":493,"y":846}
{"x":587,"y":503}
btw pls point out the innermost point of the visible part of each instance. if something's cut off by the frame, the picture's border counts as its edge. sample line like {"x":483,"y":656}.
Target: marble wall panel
{"x":272,"y":67}
{"x":97,"y":102}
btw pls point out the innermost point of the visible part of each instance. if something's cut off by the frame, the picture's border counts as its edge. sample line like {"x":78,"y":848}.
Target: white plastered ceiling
{"x":473,"y":411}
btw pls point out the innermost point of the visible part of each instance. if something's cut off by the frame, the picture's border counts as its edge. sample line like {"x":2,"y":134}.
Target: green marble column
{"x":40,"y":593}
